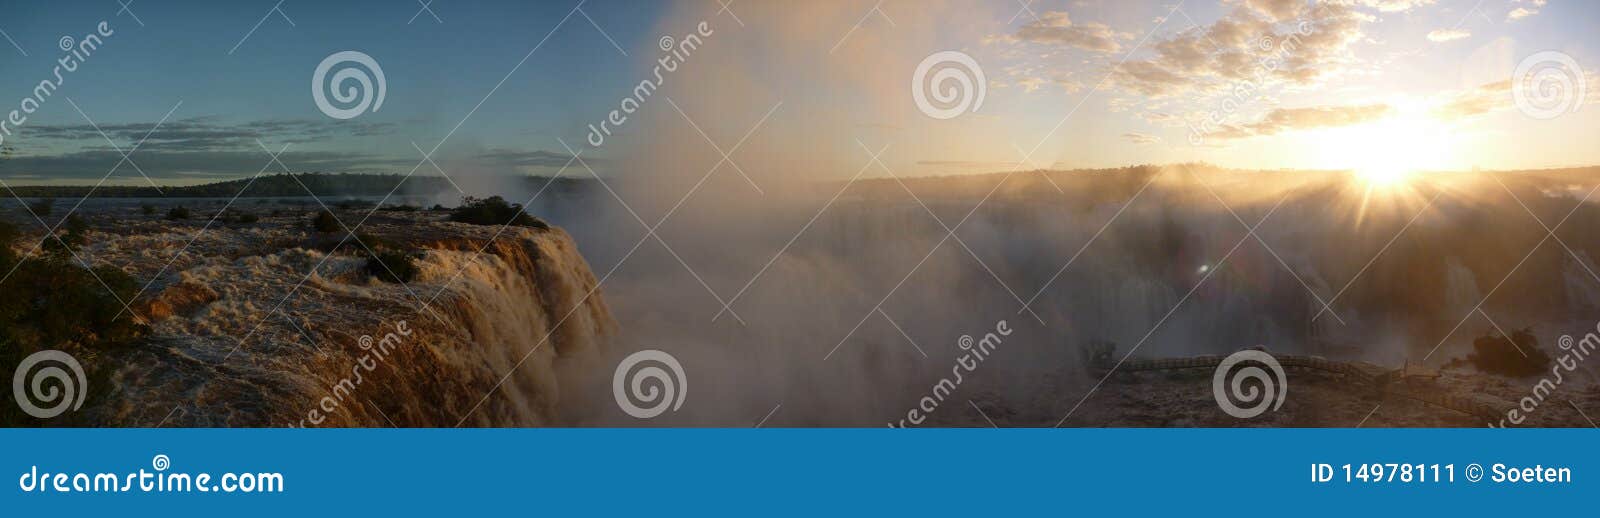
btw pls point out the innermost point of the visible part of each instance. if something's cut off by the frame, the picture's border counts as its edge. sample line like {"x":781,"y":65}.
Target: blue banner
{"x":971,"y":472}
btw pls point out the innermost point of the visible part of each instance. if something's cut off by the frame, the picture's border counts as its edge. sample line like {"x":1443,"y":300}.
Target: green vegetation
{"x":393,"y":266}
{"x":1517,"y":355}
{"x":8,"y":233}
{"x":147,"y":209}
{"x":50,"y":302}
{"x":179,"y":212}
{"x":231,"y":217}
{"x":67,"y":244}
{"x":370,"y":242}
{"x":351,"y":204}
{"x":41,"y":207}
{"x":325,"y":222}
{"x":494,"y":210}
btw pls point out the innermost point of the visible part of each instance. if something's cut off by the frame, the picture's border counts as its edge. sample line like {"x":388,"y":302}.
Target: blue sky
{"x":436,"y":72}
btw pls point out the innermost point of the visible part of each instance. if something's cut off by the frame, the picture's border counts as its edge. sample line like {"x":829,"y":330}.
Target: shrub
{"x":8,"y":233}
{"x":392,"y":266}
{"x":52,"y":303}
{"x":494,"y":210}
{"x":371,"y":242}
{"x":69,"y":242}
{"x":233,"y":218}
{"x":41,"y":207}
{"x":1496,"y":354}
{"x":179,"y":212}
{"x":325,"y":221}
{"x":147,"y":209}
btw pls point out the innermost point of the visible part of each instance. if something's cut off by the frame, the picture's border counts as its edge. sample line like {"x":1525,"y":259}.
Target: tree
{"x":494,"y":210}
{"x":1516,"y":355}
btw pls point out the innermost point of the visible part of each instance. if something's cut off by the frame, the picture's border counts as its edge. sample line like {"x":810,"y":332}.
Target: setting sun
{"x":1388,"y":151}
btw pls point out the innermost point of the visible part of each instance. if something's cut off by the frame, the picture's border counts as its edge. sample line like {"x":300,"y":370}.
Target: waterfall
{"x":479,"y":338}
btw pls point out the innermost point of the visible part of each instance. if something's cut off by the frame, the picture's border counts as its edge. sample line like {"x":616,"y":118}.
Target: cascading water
{"x":345,"y":350}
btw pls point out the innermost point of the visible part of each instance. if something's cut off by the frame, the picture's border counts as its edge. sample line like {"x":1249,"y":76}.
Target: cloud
{"x":1443,"y":35}
{"x":518,"y":158}
{"x":1475,"y":101}
{"x":1395,"y":6}
{"x":1140,"y":138}
{"x":1055,"y":27}
{"x":1277,"y":9}
{"x":1030,"y":84}
{"x":1244,"y":46}
{"x":95,"y":164}
{"x":1524,"y":12}
{"x":1291,"y":119}
{"x":206,"y":133}
{"x":1498,"y":96}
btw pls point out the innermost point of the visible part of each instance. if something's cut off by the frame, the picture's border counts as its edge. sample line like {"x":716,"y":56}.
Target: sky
{"x":806,"y":90}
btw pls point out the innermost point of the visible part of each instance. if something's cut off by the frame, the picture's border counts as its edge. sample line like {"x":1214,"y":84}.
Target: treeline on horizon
{"x":370,"y":184}
{"x":278,"y":185}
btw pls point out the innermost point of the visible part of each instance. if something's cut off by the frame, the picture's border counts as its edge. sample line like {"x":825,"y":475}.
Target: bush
{"x":371,"y":242}
{"x":179,"y":212}
{"x":52,"y":303}
{"x":494,"y":210}
{"x":234,"y":218}
{"x":41,"y":207}
{"x":392,"y":266}
{"x":325,"y":221}
{"x":74,"y":238}
{"x":8,"y":233}
{"x":1496,"y":354}
{"x":147,"y":209}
